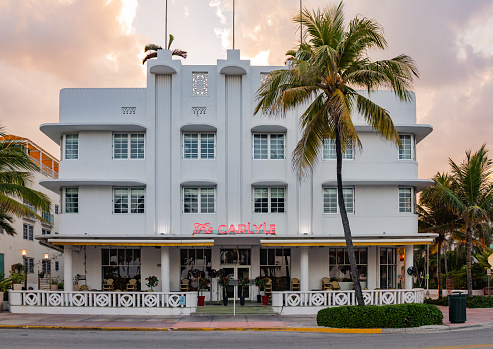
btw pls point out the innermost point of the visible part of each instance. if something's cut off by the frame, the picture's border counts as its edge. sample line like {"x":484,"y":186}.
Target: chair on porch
{"x":131,"y":285}
{"x":108,"y":285}
{"x":326,"y":284}
{"x":84,"y":288}
{"x":295,"y":284}
{"x":336,"y":286}
{"x":268,"y":287}
{"x":185,"y":285}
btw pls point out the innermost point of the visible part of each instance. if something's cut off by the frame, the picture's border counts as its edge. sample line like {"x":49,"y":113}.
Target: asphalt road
{"x":14,"y":338}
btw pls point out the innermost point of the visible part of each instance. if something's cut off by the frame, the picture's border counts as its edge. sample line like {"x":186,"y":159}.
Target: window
{"x":191,"y":259}
{"x":275,"y":263}
{"x":121,"y":265}
{"x":339,"y":268}
{"x":28,"y":232}
{"x":45,"y":232}
{"x":29,"y":265}
{"x":128,"y":146}
{"x":46,"y":266}
{"x":1,"y":231}
{"x":56,"y":209}
{"x":406,"y":200}
{"x":72,"y":146}
{"x":57,"y":265}
{"x":267,"y":200}
{"x":330,"y":200}
{"x":199,"y":145}
{"x":72,"y":200}
{"x":268,"y":146}
{"x":329,"y":151}
{"x":407,"y":149}
{"x":125,"y":198}
{"x":388,"y":267}
{"x":199,"y":200}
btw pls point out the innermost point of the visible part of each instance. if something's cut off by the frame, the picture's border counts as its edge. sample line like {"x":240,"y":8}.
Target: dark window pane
{"x":263,"y":257}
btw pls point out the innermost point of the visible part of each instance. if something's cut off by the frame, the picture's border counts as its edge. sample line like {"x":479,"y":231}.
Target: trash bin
{"x":457,"y":307}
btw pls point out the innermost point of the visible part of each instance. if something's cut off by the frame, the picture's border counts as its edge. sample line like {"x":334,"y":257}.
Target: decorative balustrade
{"x":99,"y":299}
{"x":340,"y":298}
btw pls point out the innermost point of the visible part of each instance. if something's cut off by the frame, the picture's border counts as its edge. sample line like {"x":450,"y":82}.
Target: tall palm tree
{"x":437,"y":218}
{"x":469,"y":196}
{"x":151,"y":50}
{"x":324,"y":72}
{"x":15,"y":177}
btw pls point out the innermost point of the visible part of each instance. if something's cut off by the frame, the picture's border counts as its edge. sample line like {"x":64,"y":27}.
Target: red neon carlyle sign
{"x":206,"y":228}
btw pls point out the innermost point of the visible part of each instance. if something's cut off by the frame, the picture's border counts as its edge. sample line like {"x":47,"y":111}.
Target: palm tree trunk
{"x":445,"y":257}
{"x":468,"y":260}
{"x":439,"y":268}
{"x":345,"y":223}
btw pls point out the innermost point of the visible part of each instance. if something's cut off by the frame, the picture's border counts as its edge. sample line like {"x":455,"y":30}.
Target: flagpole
{"x":166,"y":26}
{"x":233,"y":24}
{"x":301,"y":23}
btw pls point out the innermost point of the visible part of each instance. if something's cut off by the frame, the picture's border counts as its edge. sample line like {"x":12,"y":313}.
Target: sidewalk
{"x":258,"y":322}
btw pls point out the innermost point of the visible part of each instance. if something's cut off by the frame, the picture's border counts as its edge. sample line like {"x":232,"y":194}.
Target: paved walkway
{"x":257,"y":322}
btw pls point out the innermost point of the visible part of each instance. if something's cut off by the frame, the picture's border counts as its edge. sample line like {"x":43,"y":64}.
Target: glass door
{"x":235,"y":272}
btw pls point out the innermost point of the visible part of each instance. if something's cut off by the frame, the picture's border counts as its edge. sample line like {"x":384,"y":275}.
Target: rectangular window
{"x":199,"y":200}
{"x":190,"y":259}
{"x":268,"y":200}
{"x":125,"y":198}
{"x":330,"y":200}
{"x":29,"y":265}
{"x":199,"y":145}
{"x":405,"y":199}
{"x":45,"y":232}
{"x":329,"y":151}
{"x":340,"y":269}
{"x":406,"y":149}
{"x":56,"y":209}
{"x":121,"y":265}
{"x":388,"y":267}
{"x":128,"y":146}
{"x":72,"y":200}
{"x":72,"y":146}
{"x":275,"y":263}
{"x":268,"y":146}
{"x":57,"y":265}
{"x":28,"y":232}
{"x":46,"y":266}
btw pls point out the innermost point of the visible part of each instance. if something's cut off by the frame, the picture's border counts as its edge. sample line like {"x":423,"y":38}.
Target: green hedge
{"x":471,"y":302}
{"x":384,"y":316}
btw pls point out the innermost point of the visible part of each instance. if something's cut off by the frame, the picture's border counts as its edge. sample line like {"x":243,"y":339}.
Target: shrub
{"x":385,"y":316}
{"x":479,"y":302}
{"x":442,"y":301}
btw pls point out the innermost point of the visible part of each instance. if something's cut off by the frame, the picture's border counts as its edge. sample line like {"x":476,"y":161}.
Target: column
{"x":67,"y":268}
{"x":304,"y":272}
{"x":408,"y":262}
{"x":165,"y":269}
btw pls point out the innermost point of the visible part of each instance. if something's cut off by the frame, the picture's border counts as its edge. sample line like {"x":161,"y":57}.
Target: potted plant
{"x":54,"y":283}
{"x":76,"y":282}
{"x":203,"y":284}
{"x":243,"y":282}
{"x":17,"y":279}
{"x":152,"y":282}
{"x":224,"y":282}
{"x":260,"y":282}
{"x":5,"y":284}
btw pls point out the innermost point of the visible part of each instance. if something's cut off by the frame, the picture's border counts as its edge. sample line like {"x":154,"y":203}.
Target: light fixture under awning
{"x":111,"y":242}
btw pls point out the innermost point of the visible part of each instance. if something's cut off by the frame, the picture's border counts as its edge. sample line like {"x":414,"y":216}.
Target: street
{"x":456,"y":339}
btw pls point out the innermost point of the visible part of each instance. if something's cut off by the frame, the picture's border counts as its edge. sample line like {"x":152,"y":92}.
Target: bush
{"x":384,"y":316}
{"x":442,"y":301}
{"x":479,"y":302}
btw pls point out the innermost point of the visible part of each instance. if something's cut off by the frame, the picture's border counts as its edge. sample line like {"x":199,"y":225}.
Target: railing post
{"x":277,"y":299}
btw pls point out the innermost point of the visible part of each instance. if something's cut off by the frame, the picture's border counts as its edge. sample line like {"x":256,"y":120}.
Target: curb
{"x":193,"y":329}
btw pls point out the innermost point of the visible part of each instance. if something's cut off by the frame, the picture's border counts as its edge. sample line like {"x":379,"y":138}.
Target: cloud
{"x":49,"y":45}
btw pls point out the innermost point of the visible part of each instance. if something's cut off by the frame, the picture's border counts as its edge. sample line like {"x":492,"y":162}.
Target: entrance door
{"x":235,"y":272}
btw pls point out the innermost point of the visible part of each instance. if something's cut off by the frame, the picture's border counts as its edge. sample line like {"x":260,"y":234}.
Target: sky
{"x":47,"y":45}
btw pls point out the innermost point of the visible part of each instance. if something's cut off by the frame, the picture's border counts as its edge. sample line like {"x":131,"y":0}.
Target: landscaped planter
{"x":486,"y":293}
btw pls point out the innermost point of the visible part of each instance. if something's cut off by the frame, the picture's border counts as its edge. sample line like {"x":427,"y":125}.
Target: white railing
{"x":102,"y":299}
{"x":339,"y":298}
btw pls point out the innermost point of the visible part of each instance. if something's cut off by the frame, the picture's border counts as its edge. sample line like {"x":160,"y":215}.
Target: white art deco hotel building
{"x":181,"y":175}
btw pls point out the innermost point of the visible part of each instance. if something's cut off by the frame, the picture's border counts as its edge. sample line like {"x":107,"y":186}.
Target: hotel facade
{"x":180,"y":175}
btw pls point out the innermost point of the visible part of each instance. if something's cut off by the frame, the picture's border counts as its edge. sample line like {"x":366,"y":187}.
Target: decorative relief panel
{"x":129,"y":110}
{"x":199,"y":84}
{"x":199,"y":110}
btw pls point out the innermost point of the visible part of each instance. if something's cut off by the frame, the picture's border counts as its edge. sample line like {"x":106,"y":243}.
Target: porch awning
{"x":133,"y":242}
{"x":342,"y":242}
